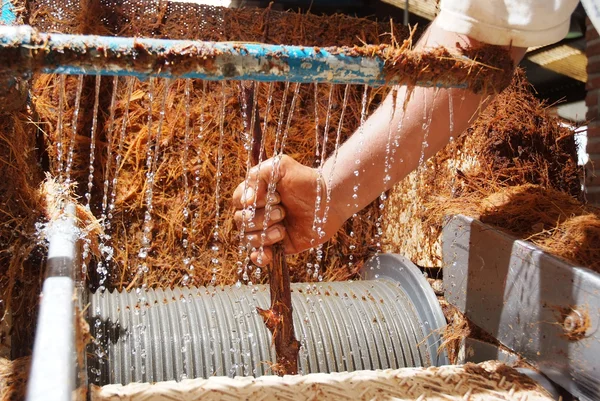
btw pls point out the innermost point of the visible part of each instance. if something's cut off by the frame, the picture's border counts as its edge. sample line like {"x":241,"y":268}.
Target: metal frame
{"x":537,"y":305}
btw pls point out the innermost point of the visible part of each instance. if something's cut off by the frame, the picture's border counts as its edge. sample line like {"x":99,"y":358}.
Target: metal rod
{"x":52,"y":376}
{"x":23,"y":50}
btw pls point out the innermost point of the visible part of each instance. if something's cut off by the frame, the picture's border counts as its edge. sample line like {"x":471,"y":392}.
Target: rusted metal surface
{"x":23,"y":50}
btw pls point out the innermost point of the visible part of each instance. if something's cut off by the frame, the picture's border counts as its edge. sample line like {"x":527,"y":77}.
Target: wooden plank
{"x":423,"y":8}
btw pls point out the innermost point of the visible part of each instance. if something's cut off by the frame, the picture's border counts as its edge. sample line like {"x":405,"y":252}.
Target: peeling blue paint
{"x":143,"y":57}
{"x":7,"y":13}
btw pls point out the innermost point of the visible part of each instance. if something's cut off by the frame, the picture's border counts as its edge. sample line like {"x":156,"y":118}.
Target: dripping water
{"x":427,"y":118}
{"x":186,"y":187}
{"x":451,"y":141}
{"x":317,"y":222}
{"x":216,"y":238}
{"x":98,"y":345}
{"x":244,"y":247}
{"x":272,"y":186}
{"x":316,"y":101}
{"x":196,"y":186}
{"x":105,"y":248}
{"x":60,"y":127}
{"x":248,"y":140}
{"x":278,"y":141}
{"x":152,"y":156}
{"x":90,"y":184}
{"x":73,"y":136}
{"x":290,"y":116}
{"x":386,"y":178}
{"x":143,"y":252}
{"x":358,"y":154}
{"x":322,"y":233}
{"x":361,"y":141}
{"x":152,"y":153}
{"x":113,"y":192}
{"x":252,"y":211}
{"x":451,"y":111}
{"x":111,"y":140}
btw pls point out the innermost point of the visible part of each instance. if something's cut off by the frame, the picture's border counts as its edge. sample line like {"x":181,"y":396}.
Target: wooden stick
{"x":278,"y":318}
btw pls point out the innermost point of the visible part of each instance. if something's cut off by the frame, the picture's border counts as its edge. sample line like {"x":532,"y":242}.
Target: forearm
{"x":399,"y":135}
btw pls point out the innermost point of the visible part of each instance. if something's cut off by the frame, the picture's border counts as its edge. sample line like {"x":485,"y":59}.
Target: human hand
{"x":291,"y":209}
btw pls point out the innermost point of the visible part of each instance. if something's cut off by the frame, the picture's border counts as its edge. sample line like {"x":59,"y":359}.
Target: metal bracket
{"x":542,"y":308}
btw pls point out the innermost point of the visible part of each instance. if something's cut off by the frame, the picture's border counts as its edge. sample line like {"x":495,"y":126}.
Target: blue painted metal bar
{"x":7,"y":13}
{"x":23,"y":50}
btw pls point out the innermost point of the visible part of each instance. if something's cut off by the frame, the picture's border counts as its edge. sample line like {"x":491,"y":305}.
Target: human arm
{"x":420,"y":128}
{"x":297,"y":184}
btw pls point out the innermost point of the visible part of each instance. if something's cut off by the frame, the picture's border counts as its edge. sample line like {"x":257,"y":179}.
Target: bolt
{"x":575,"y":324}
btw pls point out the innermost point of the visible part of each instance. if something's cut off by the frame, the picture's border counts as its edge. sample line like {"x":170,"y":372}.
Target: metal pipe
{"x":52,"y":376}
{"x":23,"y":50}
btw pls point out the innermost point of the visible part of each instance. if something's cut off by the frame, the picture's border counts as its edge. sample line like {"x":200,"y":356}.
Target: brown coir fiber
{"x":553,"y":220}
{"x":515,"y":168}
{"x":21,"y":207}
{"x":166,"y":258}
{"x":167,"y":254}
{"x":176,"y":20}
{"x":13,"y":378}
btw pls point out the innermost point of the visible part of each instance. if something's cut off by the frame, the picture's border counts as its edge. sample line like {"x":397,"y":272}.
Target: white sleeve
{"x":520,"y":23}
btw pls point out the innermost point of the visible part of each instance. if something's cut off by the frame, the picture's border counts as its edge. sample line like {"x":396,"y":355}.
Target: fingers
{"x":262,"y":259}
{"x":255,"y":221}
{"x":255,"y":188}
{"x":268,"y":237}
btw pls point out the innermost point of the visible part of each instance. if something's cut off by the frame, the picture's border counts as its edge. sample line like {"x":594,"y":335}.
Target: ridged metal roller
{"x":159,"y":335}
